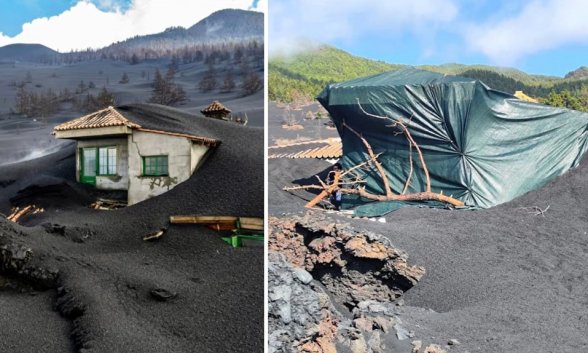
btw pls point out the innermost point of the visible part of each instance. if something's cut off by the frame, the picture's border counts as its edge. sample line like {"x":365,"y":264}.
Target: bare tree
{"x":208,"y":81}
{"x":228,"y":82}
{"x":251,"y":84}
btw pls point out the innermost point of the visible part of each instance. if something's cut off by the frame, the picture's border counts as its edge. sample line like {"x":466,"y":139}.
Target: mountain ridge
{"x":227,"y":25}
{"x":308,"y":72}
{"x":26,"y":52}
{"x":222,"y":25}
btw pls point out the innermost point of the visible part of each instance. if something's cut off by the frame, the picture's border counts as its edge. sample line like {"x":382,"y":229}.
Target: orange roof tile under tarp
{"x":522,"y":96}
{"x":215,"y":107}
{"x":329,"y":150}
{"x":103,"y":118}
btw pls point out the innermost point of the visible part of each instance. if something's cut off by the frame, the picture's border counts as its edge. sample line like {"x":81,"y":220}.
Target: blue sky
{"x":14,"y":13}
{"x":548,"y":37}
{"x":64,"y":25}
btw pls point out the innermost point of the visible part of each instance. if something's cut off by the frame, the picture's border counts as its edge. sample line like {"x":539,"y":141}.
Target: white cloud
{"x":540,"y":25}
{"x":84,"y":25}
{"x":327,"y":21}
{"x":261,"y":6}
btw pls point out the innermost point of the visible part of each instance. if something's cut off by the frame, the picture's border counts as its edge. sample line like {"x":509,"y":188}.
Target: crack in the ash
{"x":16,"y":266}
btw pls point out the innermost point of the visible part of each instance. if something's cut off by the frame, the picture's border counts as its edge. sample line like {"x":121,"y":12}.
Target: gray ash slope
{"x":504,"y":279}
{"x":107,"y":272}
{"x":26,"y":52}
{"x":221,"y":26}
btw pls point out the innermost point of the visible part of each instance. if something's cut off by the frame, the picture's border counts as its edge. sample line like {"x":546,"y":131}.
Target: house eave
{"x":92,"y":132}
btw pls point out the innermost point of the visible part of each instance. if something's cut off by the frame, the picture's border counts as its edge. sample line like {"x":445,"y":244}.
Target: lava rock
{"x":162,"y":295}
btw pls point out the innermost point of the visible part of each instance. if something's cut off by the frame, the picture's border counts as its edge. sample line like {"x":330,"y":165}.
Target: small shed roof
{"x":215,"y":107}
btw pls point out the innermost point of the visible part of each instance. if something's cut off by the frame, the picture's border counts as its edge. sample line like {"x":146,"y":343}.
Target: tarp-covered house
{"x":482,"y":146}
{"x":137,"y":148}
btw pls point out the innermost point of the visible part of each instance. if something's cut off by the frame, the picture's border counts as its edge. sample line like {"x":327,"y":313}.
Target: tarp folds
{"x":482,"y":146}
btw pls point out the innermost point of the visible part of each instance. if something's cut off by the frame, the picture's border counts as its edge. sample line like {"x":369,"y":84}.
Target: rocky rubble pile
{"x":354,"y":266}
{"x":332,"y":289}
{"x":301,"y":314}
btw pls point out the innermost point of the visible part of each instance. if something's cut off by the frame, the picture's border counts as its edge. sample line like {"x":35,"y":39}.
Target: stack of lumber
{"x":19,"y":212}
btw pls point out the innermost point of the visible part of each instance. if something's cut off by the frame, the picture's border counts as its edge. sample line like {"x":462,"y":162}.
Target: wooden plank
{"x":201,"y":219}
{"x":251,"y":226}
{"x":18,"y":214}
{"x":187,"y":219}
{"x":155,"y":235}
{"x":251,"y":220}
{"x":221,"y":226}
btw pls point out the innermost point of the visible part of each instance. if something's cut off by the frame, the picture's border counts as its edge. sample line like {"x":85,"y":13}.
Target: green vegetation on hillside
{"x":306,"y":74}
{"x":579,"y":73}
{"x":517,"y":75}
{"x":572,"y":94}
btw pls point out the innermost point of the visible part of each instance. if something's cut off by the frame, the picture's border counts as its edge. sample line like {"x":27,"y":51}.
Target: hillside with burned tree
{"x":211,"y":60}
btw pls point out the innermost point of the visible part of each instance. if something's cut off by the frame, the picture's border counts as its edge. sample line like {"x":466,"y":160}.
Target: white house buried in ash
{"x":124,"y":149}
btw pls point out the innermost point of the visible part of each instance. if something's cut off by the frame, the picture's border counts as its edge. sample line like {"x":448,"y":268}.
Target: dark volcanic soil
{"x":505,"y":279}
{"x":105,"y":291}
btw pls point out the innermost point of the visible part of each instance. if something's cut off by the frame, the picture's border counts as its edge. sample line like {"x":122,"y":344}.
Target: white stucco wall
{"x":180,"y":154}
{"x":121,"y":180}
{"x":198,"y":151}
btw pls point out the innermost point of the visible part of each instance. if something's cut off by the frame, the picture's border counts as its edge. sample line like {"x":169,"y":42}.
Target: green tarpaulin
{"x":482,"y":146}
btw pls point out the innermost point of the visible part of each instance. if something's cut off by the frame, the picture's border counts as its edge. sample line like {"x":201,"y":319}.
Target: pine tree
{"x":124,"y":79}
{"x":165,"y":91}
{"x":134,"y":59}
{"x":105,"y":99}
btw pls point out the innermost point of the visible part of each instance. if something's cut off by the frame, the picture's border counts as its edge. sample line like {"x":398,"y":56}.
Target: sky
{"x":65,"y":25}
{"x":547,"y":37}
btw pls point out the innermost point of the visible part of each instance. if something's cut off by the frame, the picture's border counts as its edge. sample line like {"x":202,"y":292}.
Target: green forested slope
{"x":307,"y":73}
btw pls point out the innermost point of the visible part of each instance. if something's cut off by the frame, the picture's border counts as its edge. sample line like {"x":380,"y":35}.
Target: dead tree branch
{"x":354,"y":186}
{"x":536,"y":210}
{"x":373,"y":158}
{"x":404,"y":128}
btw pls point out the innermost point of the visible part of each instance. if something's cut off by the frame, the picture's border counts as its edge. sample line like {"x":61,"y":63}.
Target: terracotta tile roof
{"x":214,"y":107}
{"x":331,"y":150}
{"x":111,"y":117}
{"x":103,"y":118}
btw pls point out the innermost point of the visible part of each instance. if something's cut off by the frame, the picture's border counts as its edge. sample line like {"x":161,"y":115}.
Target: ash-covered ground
{"x":76,"y":279}
{"x":505,"y":279}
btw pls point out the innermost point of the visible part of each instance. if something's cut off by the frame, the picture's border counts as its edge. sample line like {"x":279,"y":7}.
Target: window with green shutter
{"x":155,"y":166}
